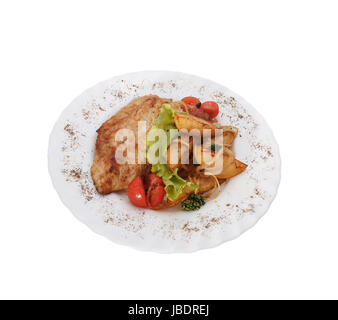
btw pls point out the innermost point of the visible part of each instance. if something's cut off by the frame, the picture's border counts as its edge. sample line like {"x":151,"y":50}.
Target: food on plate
{"x":192,"y":101}
{"x":194,"y":202}
{"x":190,"y":122}
{"x":187,"y":153}
{"x":207,"y":110}
{"x":108,"y":174}
{"x":155,"y":190}
{"x":136,"y":193}
{"x":210,"y":108}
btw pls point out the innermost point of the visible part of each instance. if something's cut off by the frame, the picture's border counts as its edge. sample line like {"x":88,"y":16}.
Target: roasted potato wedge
{"x":206,"y":183}
{"x":189,"y":122}
{"x":235,"y":168}
{"x":181,"y":149}
{"x":229,"y":135}
{"x":214,"y":162}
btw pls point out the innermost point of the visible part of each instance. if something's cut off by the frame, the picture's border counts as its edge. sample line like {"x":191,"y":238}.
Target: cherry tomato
{"x":211,"y":108}
{"x":152,"y":180}
{"x":156,"y":195}
{"x":191,"y":101}
{"x":136,"y":193}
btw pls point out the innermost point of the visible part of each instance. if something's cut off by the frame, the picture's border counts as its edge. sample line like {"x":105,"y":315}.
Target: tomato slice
{"x":152,"y":179}
{"x":211,"y":108}
{"x":155,"y":190}
{"x":156,"y":195}
{"x":136,"y":193}
{"x":192,"y":101}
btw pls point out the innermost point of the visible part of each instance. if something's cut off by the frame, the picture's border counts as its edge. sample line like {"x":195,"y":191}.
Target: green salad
{"x":156,"y":153}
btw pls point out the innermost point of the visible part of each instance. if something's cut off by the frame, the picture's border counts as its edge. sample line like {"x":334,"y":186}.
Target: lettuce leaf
{"x":174,"y":184}
{"x":165,"y":120}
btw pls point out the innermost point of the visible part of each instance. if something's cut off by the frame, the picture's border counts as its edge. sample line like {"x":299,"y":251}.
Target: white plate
{"x":242,"y":202}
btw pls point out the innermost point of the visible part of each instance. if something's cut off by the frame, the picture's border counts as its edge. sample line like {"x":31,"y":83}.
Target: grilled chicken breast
{"x":109,"y":175}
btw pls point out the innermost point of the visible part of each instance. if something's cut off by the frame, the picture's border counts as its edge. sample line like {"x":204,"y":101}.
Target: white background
{"x":282,"y":56}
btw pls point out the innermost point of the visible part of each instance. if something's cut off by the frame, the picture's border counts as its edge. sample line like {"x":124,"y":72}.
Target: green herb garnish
{"x":194,"y":202}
